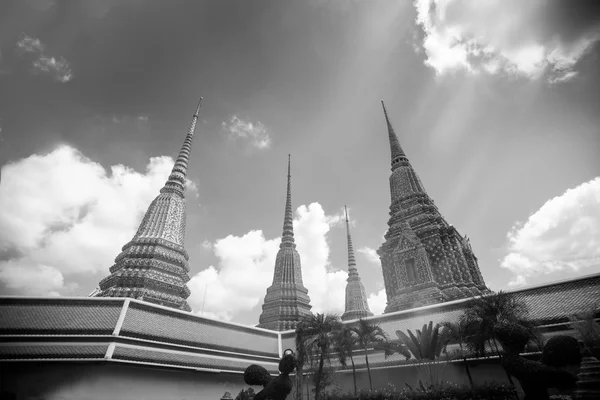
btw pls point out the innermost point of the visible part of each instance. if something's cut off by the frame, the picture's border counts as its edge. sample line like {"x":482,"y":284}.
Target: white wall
{"x":111,"y":381}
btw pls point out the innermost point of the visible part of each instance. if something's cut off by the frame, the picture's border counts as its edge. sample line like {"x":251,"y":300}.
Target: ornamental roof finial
{"x":287,"y":239}
{"x":395,"y":147}
{"x":176,"y":181}
{"x":351,"y":259}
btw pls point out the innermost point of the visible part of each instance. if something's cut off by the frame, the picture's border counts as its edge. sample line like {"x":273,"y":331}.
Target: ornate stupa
{"x":356,"y":296}
{"x":286,"y":301}
{"x":153,"y":266}
{"x":588,"y":385}
{"x":424,"y":259}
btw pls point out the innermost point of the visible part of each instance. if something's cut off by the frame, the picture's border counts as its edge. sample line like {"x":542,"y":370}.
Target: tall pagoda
{"x":356,"y":296}
{"x":424,"y":259}
{"x":153,"y":266}
{"x":286,"y":301}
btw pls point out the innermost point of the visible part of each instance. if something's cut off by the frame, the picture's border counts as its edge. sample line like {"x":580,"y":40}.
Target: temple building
{"x":286,"y":301}
{"x":153,"y":266}
{"x":424,"y":259}
{"x":356,"y":296}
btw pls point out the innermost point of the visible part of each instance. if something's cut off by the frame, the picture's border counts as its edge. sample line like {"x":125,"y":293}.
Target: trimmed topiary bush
{"x":255,"y":375}
{"x":276,"y":388}
{"x":561,"y":351}
{"x":287,"y":364}
{"x":513,"y":337}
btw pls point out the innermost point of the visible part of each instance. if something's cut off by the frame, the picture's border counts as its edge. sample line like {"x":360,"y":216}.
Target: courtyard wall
{"x":112,"y":381}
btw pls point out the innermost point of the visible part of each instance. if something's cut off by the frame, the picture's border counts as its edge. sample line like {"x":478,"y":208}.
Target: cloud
{"x":257,"y":134}
{"x":63,"y":216}
{"x":30,"y":45}
{"x":370,"y":254}
{"x":563,"y":236}
{"x":531,"y":39}
{"x":251,"y":258}
{"x":57,"y":67}
{"x":377,"y":302}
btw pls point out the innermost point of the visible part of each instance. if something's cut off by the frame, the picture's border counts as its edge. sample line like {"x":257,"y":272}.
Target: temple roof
{"x":132,"y":331}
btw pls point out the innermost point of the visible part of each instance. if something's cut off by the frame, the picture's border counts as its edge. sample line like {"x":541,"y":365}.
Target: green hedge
{"x":487,"y":391}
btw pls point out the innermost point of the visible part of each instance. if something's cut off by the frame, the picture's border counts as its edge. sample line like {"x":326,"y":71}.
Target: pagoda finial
{"x":395,"y":147}
{"x":351,"y":259}
{"x":287,"y":239}
{"x":176,"y":181}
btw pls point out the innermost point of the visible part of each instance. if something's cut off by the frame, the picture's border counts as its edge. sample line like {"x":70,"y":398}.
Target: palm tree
{"x":425,"y":345}
{"x":456,"y":332}
{"x":487,"y":311}
{"x":344,"y":341}
{"x":426,"y":348}
{"x":317,"y":340}
{"x":367,"y":335}
{"x":300,"y":358}
{"x":393,"y":346}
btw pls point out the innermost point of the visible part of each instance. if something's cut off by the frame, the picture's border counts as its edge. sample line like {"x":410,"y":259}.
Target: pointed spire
{"x":153,"y":266}
{"x":356,"y":297}
{"x":351,"y":259}
{"x":287,"y":239}
{"x":395,"y":147}
{"x":176,"y":181}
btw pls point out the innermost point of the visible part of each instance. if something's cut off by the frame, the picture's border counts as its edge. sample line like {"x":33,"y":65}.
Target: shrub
{"x":561,"y":351}
{"x":513,"y":337}
{"x":287,"y":364}
{"x":586,"y":326}
{"x":487,"y":391}
{"x":245,"y":394}
{"x":255,"y":375}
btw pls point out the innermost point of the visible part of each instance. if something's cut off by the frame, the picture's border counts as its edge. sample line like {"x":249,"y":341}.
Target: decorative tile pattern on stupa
{"x":146,"y":322}
{"x":418,"y":235}
{"x":356,"y":306}
{"x":153,"y":266}
{"x":286,"y":301}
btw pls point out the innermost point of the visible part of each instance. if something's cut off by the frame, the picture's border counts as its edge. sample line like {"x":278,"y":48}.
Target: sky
{"x":495,"y":104}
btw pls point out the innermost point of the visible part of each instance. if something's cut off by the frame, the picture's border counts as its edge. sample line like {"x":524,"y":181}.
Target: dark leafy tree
{"x":394,"y":346}
{"x":425,"y":345}
{"x":344,"y":342}
{"x":368,"y":335}
{"x":301,"y":359}
{"x":485,"y":313}
{"x":587,"y":326}
{"x":456,"y":333}
{"x":317,"y":341}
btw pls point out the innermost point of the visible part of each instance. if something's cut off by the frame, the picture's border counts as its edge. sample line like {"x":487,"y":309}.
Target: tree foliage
{"x":315,"y":333}
{"x":344,"y":342}
{"x":369,"y":334}
{"x":425,"y":345}
{"x":485,"y":312}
